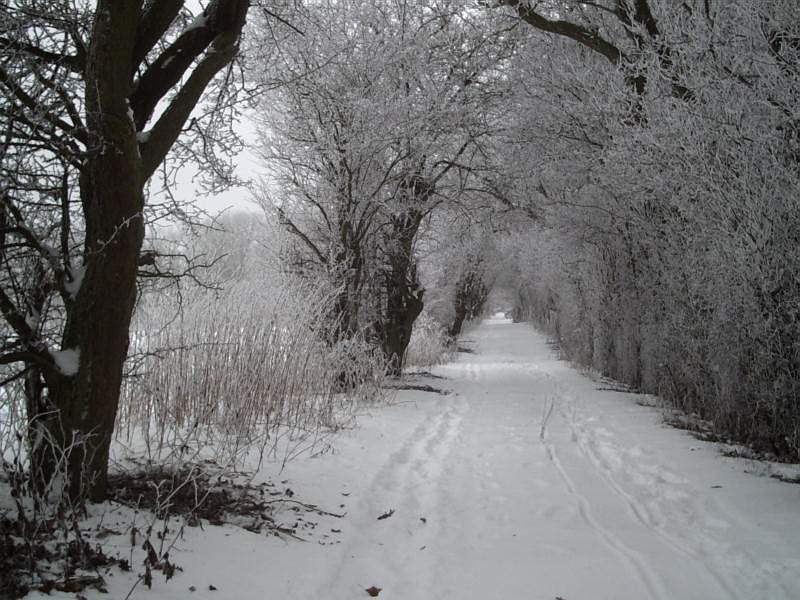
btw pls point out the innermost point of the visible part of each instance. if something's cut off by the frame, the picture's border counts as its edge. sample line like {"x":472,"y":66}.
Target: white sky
{"x":248,"y":166}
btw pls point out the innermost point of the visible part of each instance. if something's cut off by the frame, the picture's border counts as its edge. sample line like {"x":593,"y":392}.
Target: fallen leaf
{"x":373,"y":591}
{"x":386,"y":515}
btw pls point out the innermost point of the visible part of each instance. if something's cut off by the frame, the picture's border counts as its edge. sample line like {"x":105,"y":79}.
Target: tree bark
{"x":404,"y":305}
{"x":403,"y":290}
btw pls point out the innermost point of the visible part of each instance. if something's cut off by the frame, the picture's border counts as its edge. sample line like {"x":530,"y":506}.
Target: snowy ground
{"x":525,"y":482}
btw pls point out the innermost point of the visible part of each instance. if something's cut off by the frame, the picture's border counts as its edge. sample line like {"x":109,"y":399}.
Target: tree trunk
{"x":98,"y":322}
{"x":403,"y":290}
{"x":458,"y":320}
{"x":470,"y":298}
{"x":96,"y":329}
{"x":404,"y":305}
{"x":84,"y":397}
{"x":72,"y":420}
{"x":349,"y":273}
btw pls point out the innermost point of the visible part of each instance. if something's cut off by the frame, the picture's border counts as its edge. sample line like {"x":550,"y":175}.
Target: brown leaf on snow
{"x":386,"y":515}
{"x":373,"y":591}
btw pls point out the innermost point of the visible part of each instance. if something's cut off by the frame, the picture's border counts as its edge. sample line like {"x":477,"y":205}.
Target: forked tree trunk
{"x":84,"y":400}
{"x":403,"y":290}
{"x":350,"y":275}
{"x":470,"y":298}
{"x":73,"y":428}
{"x":404,"y":305}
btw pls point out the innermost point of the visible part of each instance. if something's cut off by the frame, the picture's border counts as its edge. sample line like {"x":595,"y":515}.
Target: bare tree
{"x":93,"y":98}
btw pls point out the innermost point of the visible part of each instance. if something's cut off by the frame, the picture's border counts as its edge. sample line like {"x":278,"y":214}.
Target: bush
{"x":245,"y":367}
{"x":430,"y":345}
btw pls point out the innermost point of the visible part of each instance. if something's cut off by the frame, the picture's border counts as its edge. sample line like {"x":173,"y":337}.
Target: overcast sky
{"x":247,"y":165}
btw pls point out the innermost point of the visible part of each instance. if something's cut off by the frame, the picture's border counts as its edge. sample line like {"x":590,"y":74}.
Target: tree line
{"x":628,"y":169}
{"x":664,"y":141}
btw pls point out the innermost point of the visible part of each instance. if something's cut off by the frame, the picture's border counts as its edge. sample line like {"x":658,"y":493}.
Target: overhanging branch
{"x":579,"y":33}
{"x":215,"y":31}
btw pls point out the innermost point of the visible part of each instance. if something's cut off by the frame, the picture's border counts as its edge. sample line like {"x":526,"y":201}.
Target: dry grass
{"x":243,"y":369}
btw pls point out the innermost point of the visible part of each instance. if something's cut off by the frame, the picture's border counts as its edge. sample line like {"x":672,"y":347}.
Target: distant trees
{"x":93,"y":98}
{"x":665,"y":182}
{"x":460,"y":265}
{"x":386,"y":107}
{"x":471,"y":294}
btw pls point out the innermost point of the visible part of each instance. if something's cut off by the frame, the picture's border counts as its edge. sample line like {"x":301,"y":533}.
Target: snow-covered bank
{"x":526,"y":481}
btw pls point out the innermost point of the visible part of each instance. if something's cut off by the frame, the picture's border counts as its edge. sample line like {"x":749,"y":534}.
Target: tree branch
{"x":41,"y":359}
{"x":583,"y":35}
{"x":155,"y":21}
{"x":169,"y":125}
{"x":29,"y":102}
{"x":286,"y":222}
{"x":73,"y":62}
{"x":219,"y":27}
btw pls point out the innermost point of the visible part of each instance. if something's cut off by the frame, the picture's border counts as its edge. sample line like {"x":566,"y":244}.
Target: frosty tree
{"x":387,"y":108}
{"x":665,"y":181}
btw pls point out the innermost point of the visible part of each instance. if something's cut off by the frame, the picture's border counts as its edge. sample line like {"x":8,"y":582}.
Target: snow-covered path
{"x":526,"y":482}
{"x":534,"y":484}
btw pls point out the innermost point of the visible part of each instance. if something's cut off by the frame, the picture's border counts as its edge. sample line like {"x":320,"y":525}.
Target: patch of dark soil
{"x":418,"y":388}
{"x":47,"y":555}
{"x":203,"y":491}
{"x":786,"y":479}
{"x":704,"y":430}
{"x":700,"y":428}
{"x":426,"y":374}
{"x":737,"y":450}
{"x":619,"y":387}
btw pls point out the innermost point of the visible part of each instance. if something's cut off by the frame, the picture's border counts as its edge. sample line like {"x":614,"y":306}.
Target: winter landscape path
{"x":526,"y":481}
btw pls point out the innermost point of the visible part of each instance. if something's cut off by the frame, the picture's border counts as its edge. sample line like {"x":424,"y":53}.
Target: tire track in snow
{"x":401,"y":484}
{"x":651,"y":581}
{"x":655,"y":587}
{"x":640,"y":512}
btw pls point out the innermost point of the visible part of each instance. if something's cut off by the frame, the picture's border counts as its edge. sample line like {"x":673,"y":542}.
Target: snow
{"x":32,"y":319}
{"x":67,"y":361}
{"x":525,"y":481}
{"x":198,"y":22}
{"x":51,"y":252}
{"x":74,"y":285}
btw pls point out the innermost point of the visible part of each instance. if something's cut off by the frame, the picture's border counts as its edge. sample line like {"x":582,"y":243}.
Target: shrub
{"x":245,"y":367}
{"x":430,"y":345}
